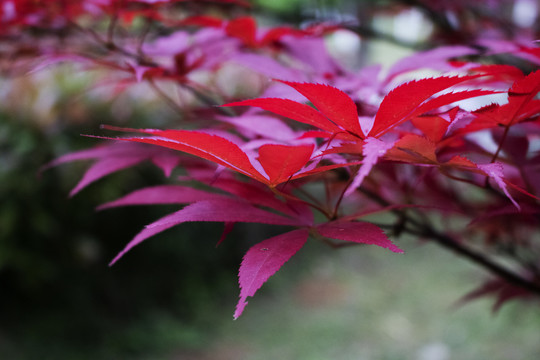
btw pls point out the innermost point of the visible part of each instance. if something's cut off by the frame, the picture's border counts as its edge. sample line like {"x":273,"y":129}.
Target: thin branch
{"x":294,"y":198}
{"x":112,"y":47}
{"x":425,"y":230}
{"x":341,"y":196}
{"x":309,"y":196}
{"x":170,"y":101}
{"x":207,"y":100}
{"x":477,"y":258}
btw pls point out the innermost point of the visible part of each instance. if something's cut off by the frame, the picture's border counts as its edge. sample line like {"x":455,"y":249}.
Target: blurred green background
{"x":174,"y":296}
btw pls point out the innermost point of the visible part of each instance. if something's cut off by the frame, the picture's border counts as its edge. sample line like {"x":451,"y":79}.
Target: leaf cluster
{"x":375,"y":141}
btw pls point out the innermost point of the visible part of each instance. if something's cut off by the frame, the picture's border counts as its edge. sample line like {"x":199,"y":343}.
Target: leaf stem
{"x":341,"y":196}
{"x":294,"y":198}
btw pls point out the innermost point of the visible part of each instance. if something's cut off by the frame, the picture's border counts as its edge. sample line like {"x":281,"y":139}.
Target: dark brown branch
{"x":425,"y":230}
{"x":477,"y":258}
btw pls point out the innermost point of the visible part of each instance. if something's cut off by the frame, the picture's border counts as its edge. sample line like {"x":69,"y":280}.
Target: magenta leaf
{"x":373,"y":149}
{"x":226,"y":231}
{"x":260,"y":194}
{"x":105,"y":167}
{"x":110,"y":150}
{"x":161,"y":194}
{"x":495,"y":171}
{"x":501,"y":290}
{"x":312,"y":52}
{"x":220,"y":210}
{"x":224,"y":210}
{"x":505,"y":213}
{"x":117,"y":156}
{"x":358,"y":232}
{"x":165,"y":160}
{"x":253,"y":192}
{"x":264,"y":260}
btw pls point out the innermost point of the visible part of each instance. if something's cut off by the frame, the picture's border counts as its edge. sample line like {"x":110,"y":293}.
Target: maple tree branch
{"x":310,"y":197}
{"x":424,"y":229}
{"x":341,"y":196}
{"x":461,"y":179}
{"x":496,"y":269}
{"x":196,"y":92}
{"x":501,"y":143}
{"x":111,"y":46}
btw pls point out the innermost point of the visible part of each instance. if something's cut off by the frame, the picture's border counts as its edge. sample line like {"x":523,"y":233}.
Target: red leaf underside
{"x":413,"y":149}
